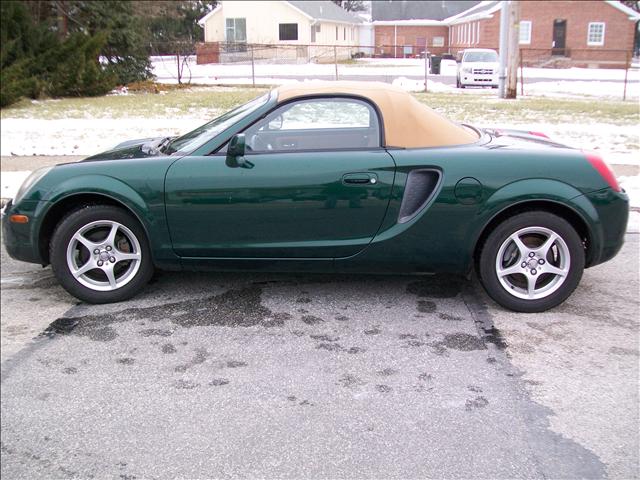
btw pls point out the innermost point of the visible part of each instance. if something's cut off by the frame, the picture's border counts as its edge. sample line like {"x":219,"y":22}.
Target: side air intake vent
{"x":420,"y":187}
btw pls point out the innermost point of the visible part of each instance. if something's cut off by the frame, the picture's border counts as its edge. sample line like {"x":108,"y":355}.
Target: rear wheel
{"x":531,"y":262}
{"x":100,"y":254}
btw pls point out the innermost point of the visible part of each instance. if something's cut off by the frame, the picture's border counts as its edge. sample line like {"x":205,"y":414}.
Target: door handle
{"x":360,"y":179}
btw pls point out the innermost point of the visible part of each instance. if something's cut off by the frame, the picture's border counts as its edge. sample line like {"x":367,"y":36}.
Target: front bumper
{"x":478,"y":79}
{"x":19,"y":240}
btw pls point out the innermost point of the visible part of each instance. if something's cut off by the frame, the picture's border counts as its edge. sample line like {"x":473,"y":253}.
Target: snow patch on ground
{"x":76,"y":136}
{"x":10,"y":183}
{"x":79,"y":136}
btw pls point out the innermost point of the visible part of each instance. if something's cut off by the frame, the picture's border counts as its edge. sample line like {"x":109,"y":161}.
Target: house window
{"x":344,"y":33}
{"x":438,"y":41}
{"x":336,"y":33}
{"x":478,"y":36}
{"x":525,"y":32}
{"x":595,"y":34}
{"x":288,"y":31}
{"x":314,"y":29}
{"x":236,"y":30}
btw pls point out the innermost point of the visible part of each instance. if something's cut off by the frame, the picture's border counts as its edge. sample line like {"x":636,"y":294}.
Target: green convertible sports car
{"x":326,"y":176}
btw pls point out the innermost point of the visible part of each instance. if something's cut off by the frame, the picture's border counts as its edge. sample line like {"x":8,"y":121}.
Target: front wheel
{"x":100,"y":254}
{"x":531,"y":262}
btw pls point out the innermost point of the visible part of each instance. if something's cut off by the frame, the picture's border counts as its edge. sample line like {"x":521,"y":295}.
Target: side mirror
{"x":237,"y":146}
{"x":236,"y":151}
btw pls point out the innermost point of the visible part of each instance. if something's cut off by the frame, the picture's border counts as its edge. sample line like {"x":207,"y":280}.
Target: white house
{"x":302,"y":29}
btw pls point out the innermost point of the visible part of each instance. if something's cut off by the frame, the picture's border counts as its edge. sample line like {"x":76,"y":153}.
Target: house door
{"x":559,"y":37}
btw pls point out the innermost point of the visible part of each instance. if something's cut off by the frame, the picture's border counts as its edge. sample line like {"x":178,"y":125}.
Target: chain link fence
{"x":260,"y":62}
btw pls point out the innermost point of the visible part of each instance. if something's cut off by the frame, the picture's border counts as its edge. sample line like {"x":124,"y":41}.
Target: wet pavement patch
{"x":332,"y":347}
{"x":168,"y":348}
{"x":96,"y":333}
{"x":426,"y":306}
{"x":185,"y":385}
{"x":200,"y":356}
{"x":218,"y":382}
{"x":325,"y":338}
{"x":61,"y":326}
{"x":463,"y":342}
{"x":350,"y":381}
{"x":234,"y":308}
{"x":312,"y":320}
{"x":492,"y":335}
{"x":478,"y":402}
{"x":126,"y":361}
{"x":156,"y":332}
{"x":438,"y":286}
{"x":404,"y":336}
{"x":236,"y":364}
{"x":373,"y":331}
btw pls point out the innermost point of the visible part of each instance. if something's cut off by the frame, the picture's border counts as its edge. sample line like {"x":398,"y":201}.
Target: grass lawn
{"x":207,"y":102}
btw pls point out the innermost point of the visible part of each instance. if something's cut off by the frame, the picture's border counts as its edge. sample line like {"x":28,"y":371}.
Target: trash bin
{"x":435,"y":64}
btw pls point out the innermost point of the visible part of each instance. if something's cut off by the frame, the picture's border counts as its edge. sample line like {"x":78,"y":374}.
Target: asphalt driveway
{"x":245,"y":375}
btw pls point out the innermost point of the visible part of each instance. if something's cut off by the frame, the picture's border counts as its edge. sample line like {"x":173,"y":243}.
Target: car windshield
{"x":480,"y":57}
{"x":206,"y":132}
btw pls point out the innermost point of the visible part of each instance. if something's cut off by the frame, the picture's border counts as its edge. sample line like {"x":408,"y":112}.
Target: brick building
{"x":600,"y":33}
{"x":558,"y":33}
{"x":407,"y":28}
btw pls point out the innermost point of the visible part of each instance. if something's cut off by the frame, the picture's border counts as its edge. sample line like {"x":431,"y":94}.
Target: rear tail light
{"x":603,"y":169}
{"x":539,"y":134}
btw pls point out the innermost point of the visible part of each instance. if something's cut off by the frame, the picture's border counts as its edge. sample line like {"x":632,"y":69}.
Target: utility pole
{"x":514,"y":50}
{"x":504,"y":27}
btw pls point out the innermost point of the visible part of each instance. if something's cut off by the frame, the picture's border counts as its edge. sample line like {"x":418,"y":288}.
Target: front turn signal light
{"x":19,"y":219}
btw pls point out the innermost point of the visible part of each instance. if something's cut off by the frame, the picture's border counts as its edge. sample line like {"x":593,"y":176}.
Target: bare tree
{"x":351,"y":5}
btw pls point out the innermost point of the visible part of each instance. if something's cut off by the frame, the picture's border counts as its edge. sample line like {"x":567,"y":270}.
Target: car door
{"x":318,"y":186}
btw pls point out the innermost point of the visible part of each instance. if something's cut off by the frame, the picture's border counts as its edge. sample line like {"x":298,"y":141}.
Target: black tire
{"x":569,"y":241}
{"x":458,"y":84}
{"x":63,"y":236}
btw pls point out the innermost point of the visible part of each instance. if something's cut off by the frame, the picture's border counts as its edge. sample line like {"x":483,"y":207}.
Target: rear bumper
{"x":613,"y":213}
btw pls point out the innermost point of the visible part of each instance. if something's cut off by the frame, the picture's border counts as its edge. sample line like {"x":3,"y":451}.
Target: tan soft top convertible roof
{"x":407,"y":122}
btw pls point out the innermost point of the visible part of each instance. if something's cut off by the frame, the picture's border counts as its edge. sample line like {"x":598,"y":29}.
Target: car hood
{"x":129,"y":149}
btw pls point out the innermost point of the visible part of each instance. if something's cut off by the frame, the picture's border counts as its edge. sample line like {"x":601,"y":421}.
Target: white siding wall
{"x":263,"y":19}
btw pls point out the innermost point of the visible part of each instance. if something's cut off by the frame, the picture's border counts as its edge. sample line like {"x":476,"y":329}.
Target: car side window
{"x":316,"y":124}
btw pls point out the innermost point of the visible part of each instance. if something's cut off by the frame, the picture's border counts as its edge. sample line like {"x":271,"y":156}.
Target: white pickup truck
{"x":478,"y":66}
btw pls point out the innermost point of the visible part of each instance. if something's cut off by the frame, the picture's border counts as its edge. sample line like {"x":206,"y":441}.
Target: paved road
{"x":244,"y":375}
